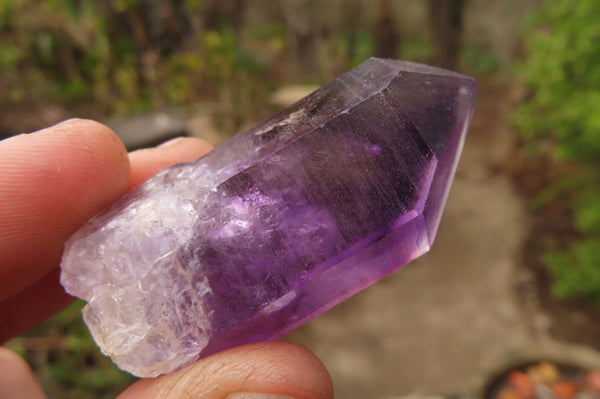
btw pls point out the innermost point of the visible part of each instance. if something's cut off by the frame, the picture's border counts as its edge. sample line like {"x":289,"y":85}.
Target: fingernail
{"x":253,"y":395}
{"x":171,"y":142}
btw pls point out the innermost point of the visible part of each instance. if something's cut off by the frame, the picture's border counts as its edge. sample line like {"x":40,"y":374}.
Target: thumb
{"x":267,"y":370}
{"x":16,"y":378}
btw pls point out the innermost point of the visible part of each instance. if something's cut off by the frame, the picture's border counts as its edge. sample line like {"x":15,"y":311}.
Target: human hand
{"x":51,"y":182}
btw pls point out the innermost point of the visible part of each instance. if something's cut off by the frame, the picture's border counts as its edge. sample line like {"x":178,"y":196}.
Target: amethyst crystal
{"x":278,"y":224}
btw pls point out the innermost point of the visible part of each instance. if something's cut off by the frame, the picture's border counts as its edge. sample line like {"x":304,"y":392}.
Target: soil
{"x":551,"y":228}
{"x":550,"y":225}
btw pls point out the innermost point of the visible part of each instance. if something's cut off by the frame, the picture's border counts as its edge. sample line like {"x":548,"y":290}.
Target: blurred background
{"x":514,"y":276}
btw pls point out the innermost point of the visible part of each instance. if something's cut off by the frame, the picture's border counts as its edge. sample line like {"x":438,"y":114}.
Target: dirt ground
{"x":445,"y":323}
{"x":575,"y":320}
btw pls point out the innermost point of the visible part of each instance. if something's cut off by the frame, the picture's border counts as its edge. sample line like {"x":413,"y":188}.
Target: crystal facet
{"x":276,"y":225}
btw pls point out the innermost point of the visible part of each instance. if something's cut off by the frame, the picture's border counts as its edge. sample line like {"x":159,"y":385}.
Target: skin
{"x":51,"y":182}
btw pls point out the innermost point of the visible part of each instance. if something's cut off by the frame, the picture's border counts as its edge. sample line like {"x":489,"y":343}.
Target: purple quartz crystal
{"x":278,"y":224}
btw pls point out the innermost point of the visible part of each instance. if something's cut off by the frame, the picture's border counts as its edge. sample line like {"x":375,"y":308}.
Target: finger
{"x":147,"y":162}
{"x":28,"y":308}
{"x":278,"y":369}
{"x":16,"y":379}
{"x":52,"y":182}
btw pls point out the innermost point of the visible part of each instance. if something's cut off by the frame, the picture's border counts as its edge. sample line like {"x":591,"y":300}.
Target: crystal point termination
{"x":276,"y":225}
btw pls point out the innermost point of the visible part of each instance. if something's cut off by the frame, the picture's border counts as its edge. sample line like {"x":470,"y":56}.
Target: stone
{"x":276,"y":225}
{"x":148,"y":130}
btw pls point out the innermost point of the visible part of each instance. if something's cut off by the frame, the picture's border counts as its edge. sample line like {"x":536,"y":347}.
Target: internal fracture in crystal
{"x":276,"y":225}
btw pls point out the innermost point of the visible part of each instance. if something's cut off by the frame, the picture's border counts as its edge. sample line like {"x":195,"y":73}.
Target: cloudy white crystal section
{"x":132,"y":311}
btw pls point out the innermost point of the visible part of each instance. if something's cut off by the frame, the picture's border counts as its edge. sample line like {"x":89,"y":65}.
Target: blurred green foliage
{"x":564,"y":70}
{"x":576,"y":270}
{"x":362,"y":45}
{"x":110,"y":55}
{"x":418,"y":49}
{"x":563,"y":116}
{"x":480,"y":60}
{"x":67,"y":361}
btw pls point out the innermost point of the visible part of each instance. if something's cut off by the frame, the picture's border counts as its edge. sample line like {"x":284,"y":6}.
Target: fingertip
{"x":16,"y":378}
{"x":270,"y":368}
{"x":95,"y":145}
